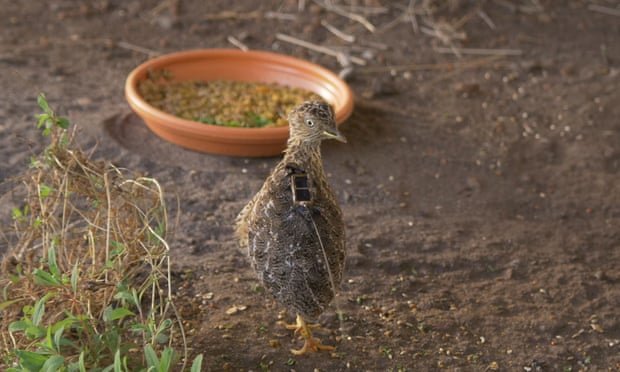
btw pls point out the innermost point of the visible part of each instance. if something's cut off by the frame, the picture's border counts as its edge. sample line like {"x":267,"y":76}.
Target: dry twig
{"x":536,"y":7}
{"x":604,"y":10}
{"x":236,"y":42}
{"x":412,"y":18}
{"x":137,"y":48}
{"x":229,"y":14}
{"x":352,"y":16}
{"x":485,"y":17}
{"x":480,"y":51}
{"x":466,"y":65}
{"x":318,"y":48}
{"x":368,"y":10}
{"x":346,"y":37}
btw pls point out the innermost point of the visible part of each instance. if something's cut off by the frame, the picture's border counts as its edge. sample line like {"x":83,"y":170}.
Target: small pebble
{"x":600,"y":275}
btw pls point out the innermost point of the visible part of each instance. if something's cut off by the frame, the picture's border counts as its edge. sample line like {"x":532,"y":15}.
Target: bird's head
{"x":313,"y":121}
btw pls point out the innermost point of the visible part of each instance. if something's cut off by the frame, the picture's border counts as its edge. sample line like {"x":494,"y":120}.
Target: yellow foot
{"x":305,"y":331}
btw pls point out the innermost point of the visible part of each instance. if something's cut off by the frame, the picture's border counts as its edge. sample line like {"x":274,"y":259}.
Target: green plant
{"x":387,"y":351}
{"x":90,"y":249}
{"x":48,"y":120}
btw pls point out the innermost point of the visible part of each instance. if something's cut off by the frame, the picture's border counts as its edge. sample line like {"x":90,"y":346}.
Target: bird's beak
{"x":335,"y":134}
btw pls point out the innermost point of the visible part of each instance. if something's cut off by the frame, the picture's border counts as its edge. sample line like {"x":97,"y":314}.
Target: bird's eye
{"x":309,"y":123}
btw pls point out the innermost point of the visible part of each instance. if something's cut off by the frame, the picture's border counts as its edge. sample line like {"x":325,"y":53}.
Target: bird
{"x":293,"y":228}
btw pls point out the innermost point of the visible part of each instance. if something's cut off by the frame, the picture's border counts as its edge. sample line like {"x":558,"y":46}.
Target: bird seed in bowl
{"x":223,"y":102}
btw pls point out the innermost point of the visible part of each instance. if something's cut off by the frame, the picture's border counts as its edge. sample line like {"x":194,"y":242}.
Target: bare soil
{"x":481,"y":195}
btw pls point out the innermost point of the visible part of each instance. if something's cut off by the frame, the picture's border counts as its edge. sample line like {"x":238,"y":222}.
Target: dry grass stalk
{"x":138,"y":48}
{"x":534,"y":7}
{"x":347,"y":14}
{"x":318,"y":48}
{"x":366,"y":10}
{"x":481,"y":51}
{"x":236,"y":42}
{"x":230,"y":14}
{"x":485,"y":17}
{"x":604,"y":9}
{"x":410,"y":13}
{"x":464,"y":65}
{"x":334,"y":30}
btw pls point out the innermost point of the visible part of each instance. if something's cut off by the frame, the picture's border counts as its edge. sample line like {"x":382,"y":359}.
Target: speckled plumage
{"x":287,"y":240}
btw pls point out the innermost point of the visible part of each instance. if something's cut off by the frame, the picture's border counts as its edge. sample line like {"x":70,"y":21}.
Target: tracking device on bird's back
{"x":300,"y":189}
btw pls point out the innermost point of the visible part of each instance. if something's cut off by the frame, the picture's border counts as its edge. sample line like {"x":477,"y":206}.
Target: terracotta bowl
{"x":231,"y":64}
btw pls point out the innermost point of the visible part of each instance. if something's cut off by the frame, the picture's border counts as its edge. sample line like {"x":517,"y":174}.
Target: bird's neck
{"x":303,"y":152}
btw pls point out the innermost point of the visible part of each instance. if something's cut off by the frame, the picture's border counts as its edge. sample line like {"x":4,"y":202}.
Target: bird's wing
{"x":289,"y":243}
{"x":241,"y":225}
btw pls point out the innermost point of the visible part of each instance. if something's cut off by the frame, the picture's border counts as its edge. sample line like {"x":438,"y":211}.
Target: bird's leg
{"x":305,"y":331}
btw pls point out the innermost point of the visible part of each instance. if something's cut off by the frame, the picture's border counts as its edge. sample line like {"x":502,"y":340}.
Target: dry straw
{"x":87,"y":255}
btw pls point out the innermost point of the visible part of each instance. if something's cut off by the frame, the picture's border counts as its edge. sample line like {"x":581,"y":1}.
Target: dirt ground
{"x":480,"y":192}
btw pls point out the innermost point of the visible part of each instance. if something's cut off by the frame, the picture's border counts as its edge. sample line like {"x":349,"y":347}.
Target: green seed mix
{"x":223,"y":102}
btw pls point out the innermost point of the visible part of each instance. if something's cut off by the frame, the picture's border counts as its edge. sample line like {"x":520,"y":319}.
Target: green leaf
{"x":124,"y":296}
{"x":82,"y":365}
{"x":37,"y":222}
{"x":44,"y":278}
{"x":42,"y":119}
{"x":45,"y":190}
{"x":42,"y":101}
{"x":257,"y":120}
{"x":53,"y":265}
{"x":31,"y":361}
{"x":6,"y":304}
{"x":132,"y":297}
{"x":65,"y":323}
{"x":111,"y":367}
{"x":166,"y":359}
{"x":75,"y":277}
{"x":79,"y":365}
{"x":120,"y":312}
{"x":39,"y":308}
{"x":28,"y":309}
{"x":119,"y":248}
{"x":167,"y":323}
{"x":197,"y":364}
{"x":35,"y":332}
{"x":111,"y":339}
{"x":139,"y":328}
{"x":49,"y":341}
{"x":19,"y":325}
{"x":39,"y":311}
{"x":117,"y":361}
{"x":63,"y":122}
{"x":162,"y":338}
{"x":58,"y":339}
{"x":53,"y":364}
{"x":151,"y":357}
{"x":34,"y":162}
{"x":17,"y":213}
{"x":206,"y":120}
